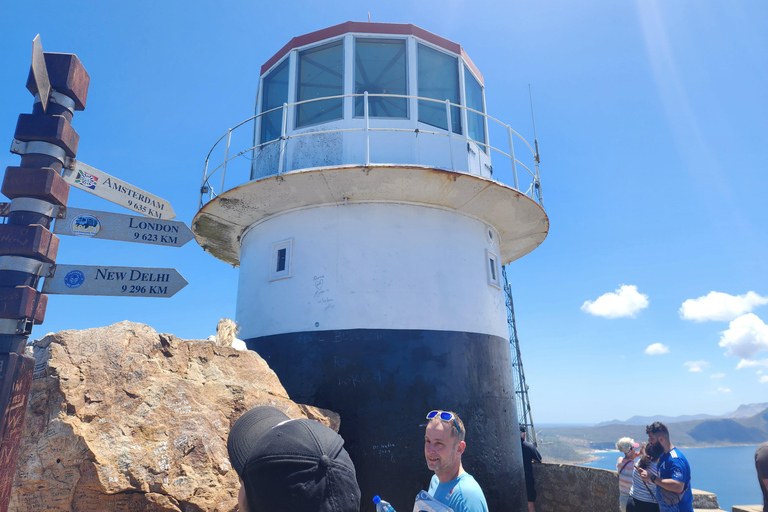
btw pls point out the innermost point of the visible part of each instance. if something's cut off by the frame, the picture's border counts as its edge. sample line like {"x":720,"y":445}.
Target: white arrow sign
{"x":116,"y":281}
{"x":40,"y":72}
{"x":118,"y":191}
{"x":127,"y":228}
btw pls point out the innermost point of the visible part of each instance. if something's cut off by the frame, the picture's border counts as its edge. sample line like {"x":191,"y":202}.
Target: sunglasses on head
{"x":445,"y":416}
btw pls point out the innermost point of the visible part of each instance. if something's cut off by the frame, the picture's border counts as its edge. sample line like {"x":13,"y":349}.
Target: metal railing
{"x":533,"y":190}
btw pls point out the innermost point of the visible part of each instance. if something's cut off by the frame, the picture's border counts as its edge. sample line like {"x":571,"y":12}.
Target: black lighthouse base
{"x":384,"y":382}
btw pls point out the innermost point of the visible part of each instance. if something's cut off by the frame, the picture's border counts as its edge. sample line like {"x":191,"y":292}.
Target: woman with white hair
{"x":625,"y":466}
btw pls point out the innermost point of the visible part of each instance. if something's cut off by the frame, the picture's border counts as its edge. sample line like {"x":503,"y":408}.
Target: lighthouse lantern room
{"x":370,"y":204}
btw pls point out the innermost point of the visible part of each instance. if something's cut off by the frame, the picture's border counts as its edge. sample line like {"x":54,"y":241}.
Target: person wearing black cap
{"x":530,"y":455}
{"x":290,"y":465}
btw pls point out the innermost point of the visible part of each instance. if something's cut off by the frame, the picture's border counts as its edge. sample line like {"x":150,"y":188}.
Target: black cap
{"x":523,"y":429}
{"x":292,"y":465}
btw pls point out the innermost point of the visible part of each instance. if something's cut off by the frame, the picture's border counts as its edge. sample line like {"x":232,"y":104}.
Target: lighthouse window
{"x":438,"y":79}
{"x":281,"y":260}
{"x":320,"y":74}
{"x":475,"y":122}
{"x":492,"y":268}
{"x":380,"y":69}
{"x":275,"y":93}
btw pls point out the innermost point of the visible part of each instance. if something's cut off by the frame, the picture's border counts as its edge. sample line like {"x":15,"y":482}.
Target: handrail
{"x":207,"y":188}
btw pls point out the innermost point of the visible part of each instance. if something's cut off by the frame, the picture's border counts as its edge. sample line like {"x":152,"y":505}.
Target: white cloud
{"x":720,"y":306}
{"x":745,"y":337}
{"x":764,"y":379}
{"x":696,"y":366}
{"x":656,"y":349}
{"x":751,"y":363}
{"x":624,"y":302}
{"x":717,"y":376}
{"x":723,"y":390}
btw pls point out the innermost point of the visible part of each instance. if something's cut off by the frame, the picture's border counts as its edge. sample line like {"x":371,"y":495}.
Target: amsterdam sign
{"x":118,"y":191}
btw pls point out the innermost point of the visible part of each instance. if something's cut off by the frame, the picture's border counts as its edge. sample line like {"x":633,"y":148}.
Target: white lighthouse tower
{"x":370,"y":204}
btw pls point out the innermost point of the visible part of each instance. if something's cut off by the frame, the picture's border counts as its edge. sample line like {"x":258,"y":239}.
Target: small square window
{"x":280,"y":263}
{"x":492,"y":269}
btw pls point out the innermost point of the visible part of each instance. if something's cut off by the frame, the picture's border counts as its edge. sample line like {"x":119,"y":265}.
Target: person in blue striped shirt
{"x":642,"y":495}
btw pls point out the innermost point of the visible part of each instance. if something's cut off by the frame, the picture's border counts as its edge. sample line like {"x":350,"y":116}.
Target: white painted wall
{"x":370,"y":265}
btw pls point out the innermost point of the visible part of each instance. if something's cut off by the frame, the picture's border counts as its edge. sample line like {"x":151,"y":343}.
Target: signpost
{"x":118,"y":191}
{"x":126,"y":228}
{"x":115,"y":281}
{"x":39,"y":189}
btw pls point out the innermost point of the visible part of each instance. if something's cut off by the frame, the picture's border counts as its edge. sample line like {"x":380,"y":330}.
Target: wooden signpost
{"x":39,"y":189}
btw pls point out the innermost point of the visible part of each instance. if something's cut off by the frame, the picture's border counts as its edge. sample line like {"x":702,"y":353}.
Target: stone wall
{"x":566,"y":488}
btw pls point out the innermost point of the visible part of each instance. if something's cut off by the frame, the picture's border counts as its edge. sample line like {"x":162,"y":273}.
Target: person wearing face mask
{"x":673,"y":484}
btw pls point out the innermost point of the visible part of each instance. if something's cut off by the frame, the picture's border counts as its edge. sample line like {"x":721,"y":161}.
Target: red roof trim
{"x":371,"y":28}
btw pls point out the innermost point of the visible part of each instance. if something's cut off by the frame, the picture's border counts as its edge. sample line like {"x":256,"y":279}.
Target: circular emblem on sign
{"x":85,"y":225}
{"x":74,"y":278}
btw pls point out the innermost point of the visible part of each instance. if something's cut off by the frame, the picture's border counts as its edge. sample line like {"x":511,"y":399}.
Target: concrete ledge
{"x":704,"y":500}
{"x":747,"y":508}
{"x":567,"y":488}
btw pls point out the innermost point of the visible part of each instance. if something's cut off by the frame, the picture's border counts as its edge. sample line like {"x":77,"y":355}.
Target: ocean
{"x":726,"y":471}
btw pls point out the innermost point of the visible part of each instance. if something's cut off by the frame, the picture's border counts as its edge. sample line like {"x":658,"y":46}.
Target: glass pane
{"x":475,"y":122}
{"x":281,"y":260}
{"x":275,"y":93}
{"x":321,"y":74}
{"x":438,"y":79}
{"x":380,"y":69}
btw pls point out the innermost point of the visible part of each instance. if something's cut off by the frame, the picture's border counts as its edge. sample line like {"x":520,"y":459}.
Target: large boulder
{"x":123,"y":418}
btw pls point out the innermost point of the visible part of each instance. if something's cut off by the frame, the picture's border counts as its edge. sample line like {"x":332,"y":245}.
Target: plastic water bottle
{"x":381,"y":505}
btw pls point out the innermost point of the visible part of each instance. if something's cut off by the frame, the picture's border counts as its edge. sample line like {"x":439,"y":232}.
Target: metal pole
{"x":512,"y":156}
{"x":226,"y":157}
{"x":367,"y":128}
{"x":282,"y":139}
{"x":202,"y":185}
{"x":450,"y":132}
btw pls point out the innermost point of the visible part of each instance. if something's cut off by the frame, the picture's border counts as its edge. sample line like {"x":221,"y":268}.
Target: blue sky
{"x":652,"y":122}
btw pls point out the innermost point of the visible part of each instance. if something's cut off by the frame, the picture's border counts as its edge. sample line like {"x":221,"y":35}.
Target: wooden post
{"x":46,"y":142}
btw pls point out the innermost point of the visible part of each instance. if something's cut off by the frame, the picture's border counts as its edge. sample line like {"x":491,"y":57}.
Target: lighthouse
{"x":370,"y":203}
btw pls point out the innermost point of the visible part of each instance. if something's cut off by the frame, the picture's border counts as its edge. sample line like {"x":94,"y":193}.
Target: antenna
{"x":369,"y":16}
{"x":536,"y":158}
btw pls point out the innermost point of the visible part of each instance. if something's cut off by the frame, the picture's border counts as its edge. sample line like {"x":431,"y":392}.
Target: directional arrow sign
{"x":118,"y":191}
{"x":40,"y":72}
{"x":117,"y":281}
{"x":127,"y":228}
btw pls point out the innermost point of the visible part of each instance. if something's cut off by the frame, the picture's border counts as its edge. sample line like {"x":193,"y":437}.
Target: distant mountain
{"x":697,"y":432}
{"x":743,"y":411}
{"x":647,"y":420}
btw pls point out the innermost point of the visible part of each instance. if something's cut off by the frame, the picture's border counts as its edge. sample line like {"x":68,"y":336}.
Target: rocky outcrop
{"x":123,"y":418}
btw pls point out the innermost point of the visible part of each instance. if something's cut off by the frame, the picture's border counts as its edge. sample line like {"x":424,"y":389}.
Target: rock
{"x":123,"y":418}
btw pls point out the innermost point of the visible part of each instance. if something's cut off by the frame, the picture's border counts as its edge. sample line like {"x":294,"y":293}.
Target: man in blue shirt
{"x":443,"y":446}
{"x":673,"y":485}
